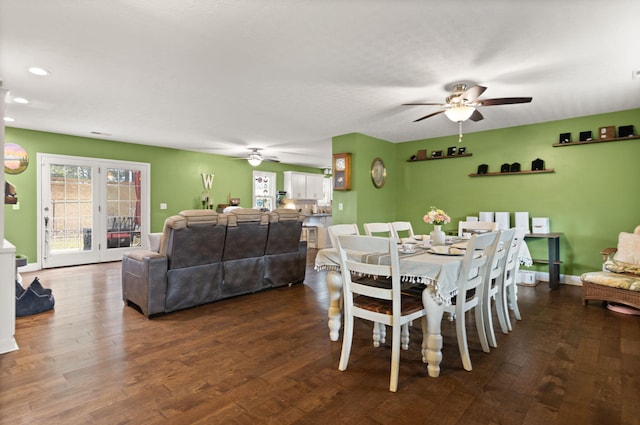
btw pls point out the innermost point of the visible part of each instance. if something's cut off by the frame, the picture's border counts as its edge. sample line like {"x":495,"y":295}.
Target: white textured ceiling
{"x":223,"y":76}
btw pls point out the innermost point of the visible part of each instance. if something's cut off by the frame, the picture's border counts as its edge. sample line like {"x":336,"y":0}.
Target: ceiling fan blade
{"x":431,"y":104}
{"x":430,"y":115}
{"x":473,"y":93}
{"x":476,"y":116}
{"x":504,"y":101}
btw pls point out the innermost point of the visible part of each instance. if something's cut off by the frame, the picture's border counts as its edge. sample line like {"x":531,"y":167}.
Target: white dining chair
{"x":473,"y":272}
{"x":476,"y":227}
{"x":379,"y":333}
{"x":402,"y":228}
{"x":509,"y":295}
{"x":370,"y":301}
{"x":378,"y":229}
{"x":341,"y":229}
{"x":493,"y":286}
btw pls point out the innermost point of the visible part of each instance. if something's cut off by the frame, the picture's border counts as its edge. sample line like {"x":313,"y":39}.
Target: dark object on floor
{"x":33,"y":300}
{"x":38,"y":288}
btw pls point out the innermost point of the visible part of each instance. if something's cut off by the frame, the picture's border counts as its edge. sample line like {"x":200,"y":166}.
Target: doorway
{"x":90,"y":210}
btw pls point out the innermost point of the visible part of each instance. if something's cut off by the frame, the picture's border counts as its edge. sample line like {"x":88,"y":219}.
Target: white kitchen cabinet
{"x":303,"y":185}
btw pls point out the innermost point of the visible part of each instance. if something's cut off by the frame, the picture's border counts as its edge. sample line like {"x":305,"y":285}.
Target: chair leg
{"x":514,"y":301}
{"x":395,"y":358}
{"x":405,"y":336}
{"x":379,"y":334}
{"x":480,"y":326}
{"x":488,"y":324}
{"x":503,"y":314}
{"x":347,"y":338}
{"x":461,"y":333}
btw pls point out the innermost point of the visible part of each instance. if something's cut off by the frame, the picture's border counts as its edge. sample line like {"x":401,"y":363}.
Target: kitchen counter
{"x":315,"y":230}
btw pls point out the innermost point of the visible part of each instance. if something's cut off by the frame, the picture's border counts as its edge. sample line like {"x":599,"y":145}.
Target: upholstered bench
{"x":620,"y":281}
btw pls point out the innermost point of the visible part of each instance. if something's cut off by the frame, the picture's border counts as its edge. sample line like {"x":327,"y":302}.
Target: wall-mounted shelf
{"x":617,"y":139}
{"x":440,"y":157}
{"x":548,"y":170}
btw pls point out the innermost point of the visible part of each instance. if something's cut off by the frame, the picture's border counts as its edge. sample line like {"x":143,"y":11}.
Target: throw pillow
{"x":628,"y":248}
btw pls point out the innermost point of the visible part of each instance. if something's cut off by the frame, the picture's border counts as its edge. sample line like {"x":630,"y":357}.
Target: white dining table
{"x":438,"y":273}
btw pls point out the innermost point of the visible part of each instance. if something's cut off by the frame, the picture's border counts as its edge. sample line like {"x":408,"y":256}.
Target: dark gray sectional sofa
{"x":205,"y":256}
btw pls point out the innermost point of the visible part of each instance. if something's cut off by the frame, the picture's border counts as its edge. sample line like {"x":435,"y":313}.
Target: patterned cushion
{"x":614,"y":280}
{"x":622,"y":267}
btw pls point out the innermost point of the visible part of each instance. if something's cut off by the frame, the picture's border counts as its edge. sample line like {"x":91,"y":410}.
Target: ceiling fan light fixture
{"x":459,"y":113}
{"x":254,"y":159}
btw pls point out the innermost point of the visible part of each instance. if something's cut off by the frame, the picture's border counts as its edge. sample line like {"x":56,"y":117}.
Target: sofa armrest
{"x":607,"y":253}
{"x":144,"y":280}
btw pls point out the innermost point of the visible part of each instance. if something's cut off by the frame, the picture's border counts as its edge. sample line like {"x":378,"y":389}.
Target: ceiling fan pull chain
{"x":459,"y":131}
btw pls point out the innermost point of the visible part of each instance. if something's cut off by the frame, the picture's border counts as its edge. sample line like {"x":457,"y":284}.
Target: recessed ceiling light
{"x":20,"y":100}
{"x":38,"y":71}
{"x":9,"y":119}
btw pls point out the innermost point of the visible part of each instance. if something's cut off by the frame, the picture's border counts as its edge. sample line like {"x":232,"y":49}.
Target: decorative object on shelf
{"x":437,"y":155}
{"x":462,"y":151}
{"x":625,"y":131}
{"x":537,"y":164}
{"x":540,"y":224}
{"x":342,"y":171}
{"x":564,"y":138}
{"x":437,"y":217}
{"x":422,"y":154}
{"x":596,"y":140}
{"x":515,"y":167}
{"x":378,"y":173}
{"x":608,"y":132}
{"x":509,"y":173}
{"x":207,"y":200}
{"x":483,"y":169}
{"x":16,"y":159}
{"x":504,"y":168}
{"x":585,"y":136}
{"x":451,"y":151}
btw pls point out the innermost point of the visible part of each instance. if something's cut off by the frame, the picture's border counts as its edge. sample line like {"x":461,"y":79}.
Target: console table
{"x":553,"y":256}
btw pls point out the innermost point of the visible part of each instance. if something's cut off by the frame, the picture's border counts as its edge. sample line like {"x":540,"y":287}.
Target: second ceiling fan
{"x":463,"y":102}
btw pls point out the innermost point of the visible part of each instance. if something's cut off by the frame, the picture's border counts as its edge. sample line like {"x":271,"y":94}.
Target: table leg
{"x":432,"y":346}
{"x":554,"y":263}
{"x":334,"y":285}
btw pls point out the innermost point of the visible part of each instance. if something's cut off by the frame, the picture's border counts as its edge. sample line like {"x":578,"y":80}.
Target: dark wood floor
{"x":267,"y":358}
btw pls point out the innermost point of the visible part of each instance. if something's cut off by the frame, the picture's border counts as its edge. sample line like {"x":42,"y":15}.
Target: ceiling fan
{"x":462,"y":104}
{"x":255,"y":158}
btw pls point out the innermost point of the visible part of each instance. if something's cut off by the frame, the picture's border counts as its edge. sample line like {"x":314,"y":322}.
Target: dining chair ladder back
{"x":375,"y":303}
{"x":469,"y":286}
{"x":494,"y":286}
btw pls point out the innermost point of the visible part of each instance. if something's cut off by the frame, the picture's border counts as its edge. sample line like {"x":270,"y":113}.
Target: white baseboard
{"x":565,"y":279}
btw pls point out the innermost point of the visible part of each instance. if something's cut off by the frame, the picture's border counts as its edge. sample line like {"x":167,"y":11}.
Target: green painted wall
{"x":175,"y":178}
{"x":590,"y":198}
{"x":365,"y":203}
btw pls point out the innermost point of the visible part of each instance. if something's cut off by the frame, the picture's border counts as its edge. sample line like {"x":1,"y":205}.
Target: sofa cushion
{"x":614,"y":280}
{"x":622,"y":267}
{"x":628,"y":250}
